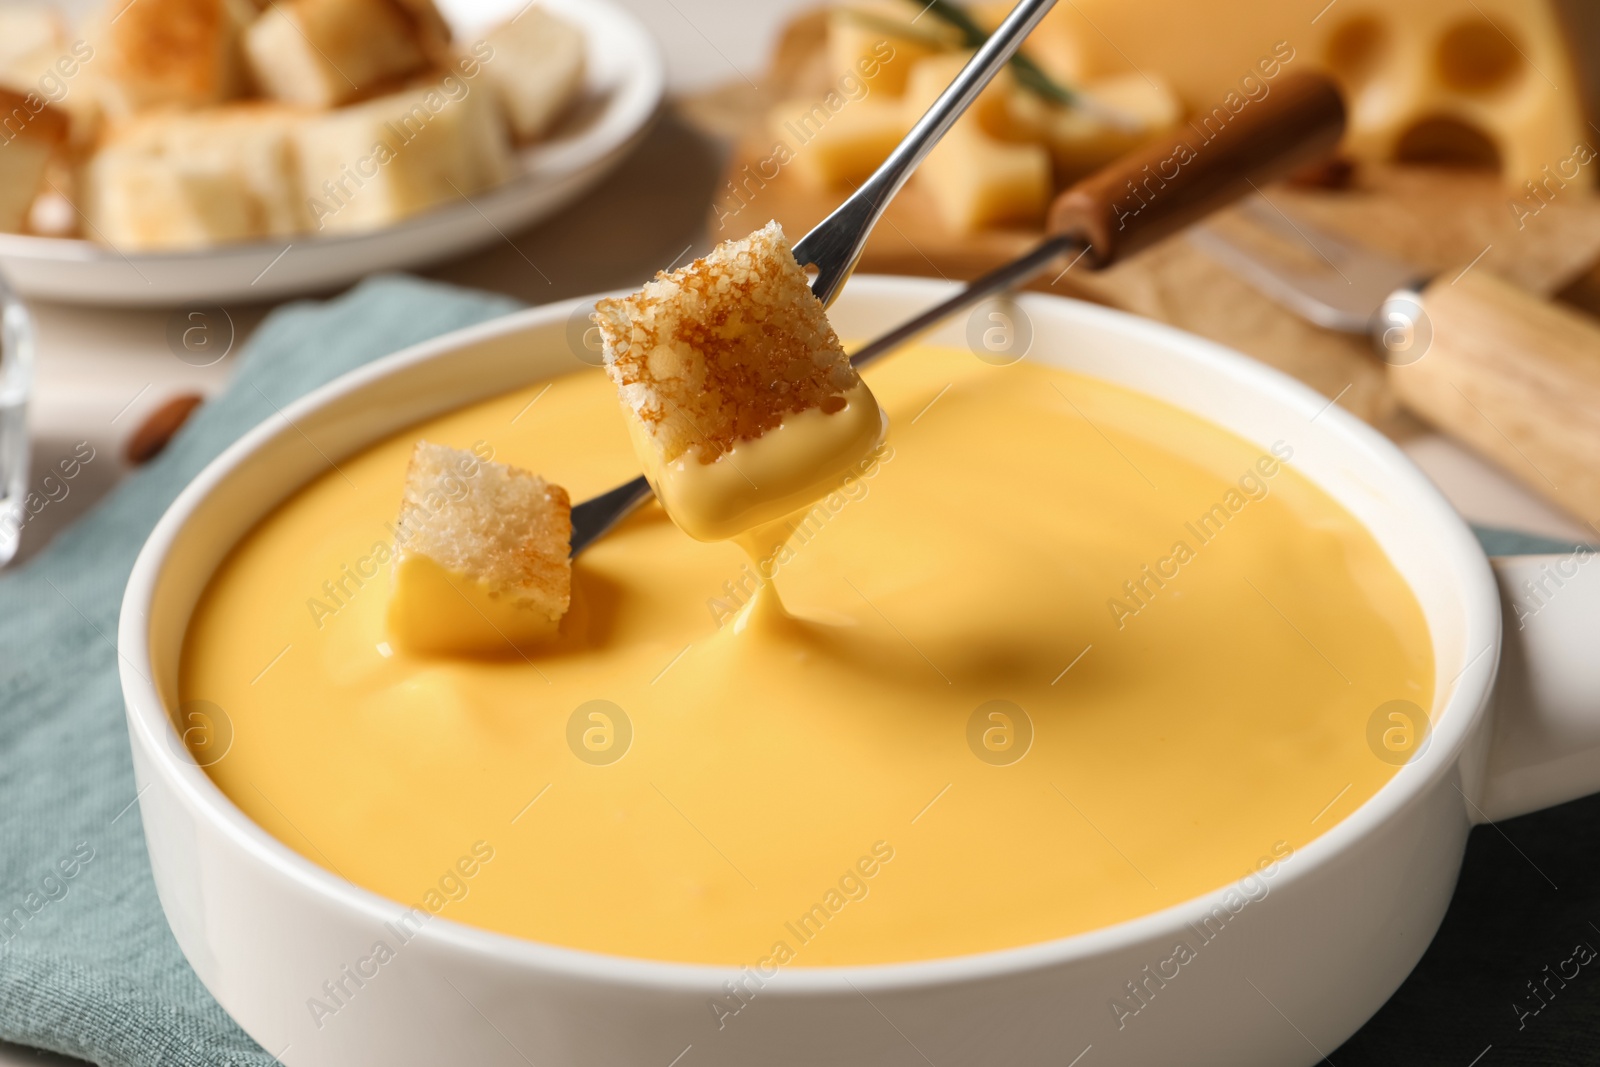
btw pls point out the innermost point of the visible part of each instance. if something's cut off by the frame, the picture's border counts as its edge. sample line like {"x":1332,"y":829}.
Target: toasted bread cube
{"x":322,"y":53}
{"x":741,"y":403}
{"x":28,"y":30}
{"x":721,"y":350}
{"x":173,"y":53}
{"x":536,"y":68}
{"x":482,"y":560}
{"x":430,"y":30}
{"x":371,"y":164}
{"x":37,"y":56}
{"x":187,"y":180}
{"x":30,"y":133}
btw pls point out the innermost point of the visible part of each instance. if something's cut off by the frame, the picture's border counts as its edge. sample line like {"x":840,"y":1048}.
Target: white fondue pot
{"x":1335,"y":929}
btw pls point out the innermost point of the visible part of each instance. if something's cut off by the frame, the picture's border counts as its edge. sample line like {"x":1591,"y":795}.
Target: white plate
{"x":622,"y":90}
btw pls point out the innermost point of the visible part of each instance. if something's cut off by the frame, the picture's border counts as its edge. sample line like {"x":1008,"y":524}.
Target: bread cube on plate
{"x":481,"y":556}
{"x":536,"y":68}
{"x":29,"y":27}
{"x":372,"y":164}
{"x":30,"y":133}
{"x":172,"y":53}
{"x":173,"y":180}
{"x":322,"y":53}
{"x":38,"y":56}
{"x":741,"y":401}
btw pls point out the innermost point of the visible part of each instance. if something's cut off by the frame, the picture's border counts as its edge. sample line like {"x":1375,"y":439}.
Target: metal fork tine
{"x":1340,"y":289}
{"x":1262,"y":212}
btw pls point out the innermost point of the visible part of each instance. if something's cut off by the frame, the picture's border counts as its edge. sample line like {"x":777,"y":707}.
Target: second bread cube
{"x":481,"y":555}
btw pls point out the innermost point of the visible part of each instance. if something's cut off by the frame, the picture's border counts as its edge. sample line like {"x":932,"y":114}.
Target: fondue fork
{"x":834,"y":245}
{"x":1509,"y":373}
{"x":1178,"y":178}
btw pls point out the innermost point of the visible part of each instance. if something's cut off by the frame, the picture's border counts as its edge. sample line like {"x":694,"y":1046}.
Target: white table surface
{"x":101,"y":372}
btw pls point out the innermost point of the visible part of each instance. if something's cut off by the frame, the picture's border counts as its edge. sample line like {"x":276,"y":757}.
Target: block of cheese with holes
{"x":1473,"y":81}
{"x":977,"y":179}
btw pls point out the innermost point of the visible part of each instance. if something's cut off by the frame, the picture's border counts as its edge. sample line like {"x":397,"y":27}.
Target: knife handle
{"x":1515,"y":377}
{"x":1216,"y":158}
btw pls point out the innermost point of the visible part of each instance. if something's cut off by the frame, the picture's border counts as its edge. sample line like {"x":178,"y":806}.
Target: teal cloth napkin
{"x":88,"y":966}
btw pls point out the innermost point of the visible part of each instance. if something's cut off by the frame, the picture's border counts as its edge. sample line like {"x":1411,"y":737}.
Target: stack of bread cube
{"x":180,"y":124}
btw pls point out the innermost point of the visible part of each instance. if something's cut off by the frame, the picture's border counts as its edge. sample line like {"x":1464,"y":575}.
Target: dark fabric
{"x":1529,"y":896}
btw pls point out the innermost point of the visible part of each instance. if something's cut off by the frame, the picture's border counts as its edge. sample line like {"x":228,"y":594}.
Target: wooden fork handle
{"x":1187,"y":173}
{"x":1515,"y":377}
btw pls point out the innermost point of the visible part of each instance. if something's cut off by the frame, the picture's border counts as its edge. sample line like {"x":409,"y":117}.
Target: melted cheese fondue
{"x":1056,"y":655}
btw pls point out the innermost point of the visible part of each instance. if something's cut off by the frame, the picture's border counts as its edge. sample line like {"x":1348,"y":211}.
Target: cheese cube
{"x":536,"y":67}
{"x":1128,"y":110}
{"x":371,"y":164}
{"x":878,"y":42}
{"x":481,"y":556}
{"x":186,"y":180}
{"x":976,"y":179}
{"x":832,"y":148}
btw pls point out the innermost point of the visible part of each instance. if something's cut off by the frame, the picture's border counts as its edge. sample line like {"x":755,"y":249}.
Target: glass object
{"x":16,"y":382}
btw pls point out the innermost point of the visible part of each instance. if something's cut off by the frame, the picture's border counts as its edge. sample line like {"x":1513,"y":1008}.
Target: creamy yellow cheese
{"x":1058,"y":656}
{"x":435,"y":607}
{"x":761,"y":480}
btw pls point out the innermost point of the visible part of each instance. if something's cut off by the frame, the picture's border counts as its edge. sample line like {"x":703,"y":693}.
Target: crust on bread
{"x":174,"y":53}
{"x":723,"y":349}
{"x":24,"y":116}
{"x":501,"y":527}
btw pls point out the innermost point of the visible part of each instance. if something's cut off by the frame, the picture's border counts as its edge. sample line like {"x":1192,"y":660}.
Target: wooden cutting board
{"x":1440,"y":220}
